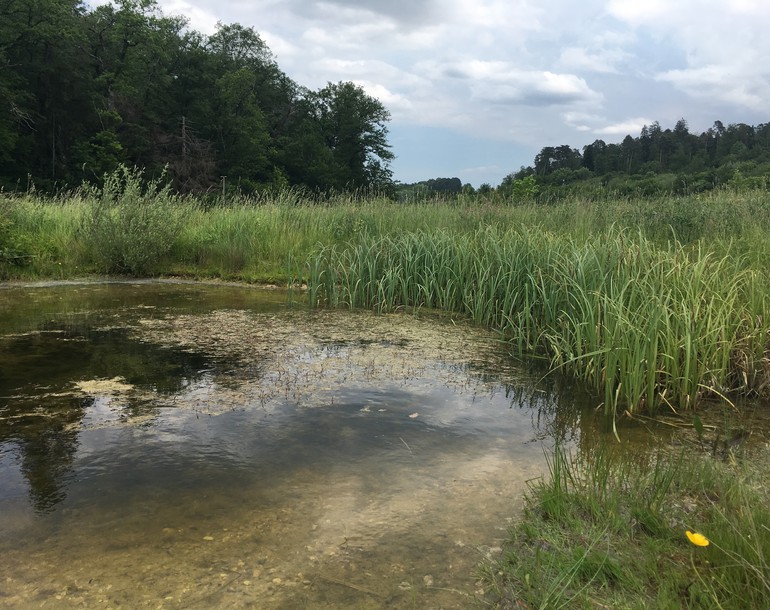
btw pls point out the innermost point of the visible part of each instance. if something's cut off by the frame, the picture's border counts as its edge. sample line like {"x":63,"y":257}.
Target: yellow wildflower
{"x":697,"y":539}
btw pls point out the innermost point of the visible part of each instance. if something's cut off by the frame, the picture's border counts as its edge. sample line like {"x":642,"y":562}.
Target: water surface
{"x":176,"y":445}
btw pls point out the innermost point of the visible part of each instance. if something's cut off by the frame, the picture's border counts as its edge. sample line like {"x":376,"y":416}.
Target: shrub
{"x":130,"y":225}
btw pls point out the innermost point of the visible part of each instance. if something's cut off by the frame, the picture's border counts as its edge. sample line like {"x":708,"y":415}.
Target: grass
{"x":607,"y":530}
{"x":651,"y":303}
{"x":644,"y":325}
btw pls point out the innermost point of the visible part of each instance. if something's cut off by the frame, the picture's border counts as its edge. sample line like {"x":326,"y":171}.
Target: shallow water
{"x":177,"y":445}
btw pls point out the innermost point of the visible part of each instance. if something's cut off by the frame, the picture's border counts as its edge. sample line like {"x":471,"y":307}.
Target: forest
{"x":657,"y":162}
{"x":85,"y":90}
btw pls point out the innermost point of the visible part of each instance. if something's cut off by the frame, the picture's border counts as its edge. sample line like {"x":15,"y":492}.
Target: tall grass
{"x":40,"y":238}
{"x":650,"y":302}
{"x":645,"y":325}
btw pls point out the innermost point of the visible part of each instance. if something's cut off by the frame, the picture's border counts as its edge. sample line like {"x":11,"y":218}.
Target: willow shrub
{"x":130,"y":224}
{"x":642,"y":324}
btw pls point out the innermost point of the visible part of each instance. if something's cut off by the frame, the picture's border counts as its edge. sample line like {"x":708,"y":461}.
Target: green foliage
{"x":519,"y":189}
{"x":131,"y":225}
{"x":435,"y":188}
{"x":12,"y":248}
{"x":84,"y":90}
{"x":607,"y":529}
{"x":353,"y":127}
{"x":645,"y":325}
{"x":658,"y":162}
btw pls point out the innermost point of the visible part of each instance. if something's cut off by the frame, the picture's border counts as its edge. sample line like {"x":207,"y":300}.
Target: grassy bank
{"x":254,"y":238}
{"x":605,"y":530}
{"x":652,"y":303}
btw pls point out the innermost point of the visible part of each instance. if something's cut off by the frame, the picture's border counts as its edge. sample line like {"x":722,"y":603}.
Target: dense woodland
{"x":658,"y":161}
{"x":84,"y":90}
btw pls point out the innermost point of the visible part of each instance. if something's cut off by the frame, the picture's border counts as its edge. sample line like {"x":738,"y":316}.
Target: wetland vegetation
{"x":652,"y":303}
{"x":657,"y":306}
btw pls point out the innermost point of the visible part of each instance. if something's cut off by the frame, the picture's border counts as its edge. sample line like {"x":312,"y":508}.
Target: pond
{"x":180,"y":445}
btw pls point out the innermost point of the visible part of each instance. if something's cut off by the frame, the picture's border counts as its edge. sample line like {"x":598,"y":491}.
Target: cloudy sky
{"x":477,"y":87}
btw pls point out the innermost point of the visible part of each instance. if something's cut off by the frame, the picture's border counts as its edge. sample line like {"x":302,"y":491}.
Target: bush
{"x":130,"y":225}
{"x":16,"y":248}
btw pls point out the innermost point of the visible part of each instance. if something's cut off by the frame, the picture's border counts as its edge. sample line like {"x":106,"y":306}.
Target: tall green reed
{"x":644,"y":325}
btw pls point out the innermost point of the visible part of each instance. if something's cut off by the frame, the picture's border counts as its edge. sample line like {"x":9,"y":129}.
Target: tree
{"x":519,"y":188}
{"x":353,"y":127}
{"x":133,"y":49}
{"x":552,"y":158}
{"x":242,"y":135}
{"x":44,"y":84}
{"x":445,"y":185}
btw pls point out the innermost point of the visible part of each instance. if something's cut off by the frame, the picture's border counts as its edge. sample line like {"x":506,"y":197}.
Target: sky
{"x":476,"y":88}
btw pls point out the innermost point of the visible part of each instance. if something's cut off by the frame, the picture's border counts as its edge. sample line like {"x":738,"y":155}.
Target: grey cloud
{"x":533,"y":96}
{"x":454,"y":72}
{"x":502,"y":83}
{"x":405,"y":12}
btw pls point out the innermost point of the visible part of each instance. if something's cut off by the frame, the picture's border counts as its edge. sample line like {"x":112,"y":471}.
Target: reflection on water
{"x":179,"y":445}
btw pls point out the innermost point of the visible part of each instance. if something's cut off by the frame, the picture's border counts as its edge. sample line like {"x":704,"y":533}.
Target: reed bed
{"x":644,"y":325}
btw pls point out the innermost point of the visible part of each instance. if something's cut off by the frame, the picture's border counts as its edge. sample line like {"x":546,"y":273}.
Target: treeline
{"x":85,"y":90}
{"x":657,"y":161}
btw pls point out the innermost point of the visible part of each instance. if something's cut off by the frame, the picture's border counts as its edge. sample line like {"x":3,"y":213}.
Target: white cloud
{"x":627,"y":127}
{"x":536,"y":89}
{"x":593,"y":60}
{"x":638,"y":12}
{"x":721,"y":83}
{"x":511,"y":15}
{"x":725,"y":48}
{"x":502,"y":82}
{"x":397,"y":104}
{"x":579,"y":119}
{"x":281,"y":47}
{"x":199,"y":19}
